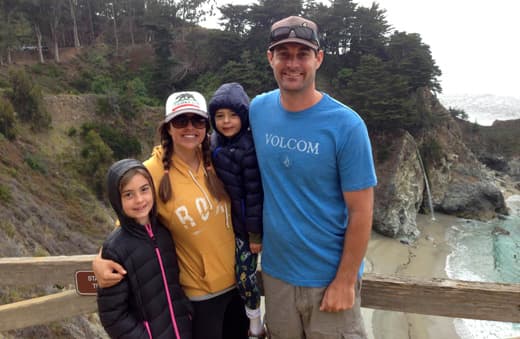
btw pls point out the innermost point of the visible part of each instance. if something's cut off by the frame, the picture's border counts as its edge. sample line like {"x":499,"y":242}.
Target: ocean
{"x":481,"y":252}
{"x":483,"y":109}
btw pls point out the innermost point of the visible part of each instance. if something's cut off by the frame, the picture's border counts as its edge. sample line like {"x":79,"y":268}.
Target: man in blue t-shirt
{"x":318,"y":175}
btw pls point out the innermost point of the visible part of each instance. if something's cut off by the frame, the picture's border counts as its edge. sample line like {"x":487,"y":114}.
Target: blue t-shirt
{"x":307,"y":160}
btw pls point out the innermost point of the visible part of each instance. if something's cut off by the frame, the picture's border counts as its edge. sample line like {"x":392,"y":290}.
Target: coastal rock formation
{"x":399,"y":193}
{"x":473,"y":200}
{"x":513,"y":169}
{"x":460,"y":184}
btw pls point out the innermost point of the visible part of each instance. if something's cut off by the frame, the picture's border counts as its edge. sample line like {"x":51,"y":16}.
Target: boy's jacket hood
{"x":232,"y":96}
{"x":114,"y":175}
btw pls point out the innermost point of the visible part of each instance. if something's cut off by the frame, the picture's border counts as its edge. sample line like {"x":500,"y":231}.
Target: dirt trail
{"x":31,"y":57}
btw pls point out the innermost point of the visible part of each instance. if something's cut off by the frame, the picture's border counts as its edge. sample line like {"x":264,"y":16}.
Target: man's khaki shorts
{"x":293,"y":312}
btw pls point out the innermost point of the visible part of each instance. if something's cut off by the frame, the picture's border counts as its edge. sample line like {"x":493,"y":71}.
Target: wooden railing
{"x":442,"y":297}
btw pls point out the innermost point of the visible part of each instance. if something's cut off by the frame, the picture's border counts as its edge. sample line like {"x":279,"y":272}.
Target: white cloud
{"x":473,"y":42}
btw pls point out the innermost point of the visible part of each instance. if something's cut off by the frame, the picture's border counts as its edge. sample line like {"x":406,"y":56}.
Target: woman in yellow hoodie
{"x":193,"y":205}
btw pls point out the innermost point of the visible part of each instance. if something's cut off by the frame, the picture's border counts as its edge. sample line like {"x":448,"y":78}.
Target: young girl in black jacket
{"x":148,"y":302}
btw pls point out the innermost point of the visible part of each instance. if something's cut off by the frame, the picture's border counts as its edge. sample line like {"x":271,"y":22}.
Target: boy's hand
{"x":255,"y":248}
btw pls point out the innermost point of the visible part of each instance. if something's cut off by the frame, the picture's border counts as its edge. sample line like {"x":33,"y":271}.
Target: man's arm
{"x":340,"y":294}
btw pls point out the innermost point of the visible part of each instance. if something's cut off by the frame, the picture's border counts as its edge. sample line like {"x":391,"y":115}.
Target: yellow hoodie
{"x":200,"y":226}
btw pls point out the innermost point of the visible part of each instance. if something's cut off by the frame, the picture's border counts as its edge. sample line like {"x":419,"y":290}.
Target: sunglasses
{"x":183,"y":120}
{"x":302,"y":32}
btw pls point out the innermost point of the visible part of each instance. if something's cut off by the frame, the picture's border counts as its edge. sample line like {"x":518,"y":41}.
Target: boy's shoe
{"x":256,"y":336}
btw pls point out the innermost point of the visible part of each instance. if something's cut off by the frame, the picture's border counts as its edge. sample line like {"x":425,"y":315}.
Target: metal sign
{"x":86,"y":283}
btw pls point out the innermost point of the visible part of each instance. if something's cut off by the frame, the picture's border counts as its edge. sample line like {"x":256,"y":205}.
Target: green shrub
{"x":7,"y":119}
{"x":122,"y":144}
{"x":431,"y":151}
{"x":27,"y":100}
{"x":39,"y":251}
{"x":5,"y":194}
{"x":48,"y":69}
{"x":96,"y":157}
{"x":38,"y":68}
{"x":133,"y":98}
{"x":8,"y":228}
{"x":3,"y":82}
{"x":102,"y":84}
{"x":41,"y":119}
{"x":108,"y":105}
{"x":82,"y":82}
{"x":137,"y":87}
{"x":20,"y":97}
{"x":12,"y":172}
{"x":72,"y":132}
{"x":126,"y":101}
{"x":35,"y":163}
{"x":98,"y":57}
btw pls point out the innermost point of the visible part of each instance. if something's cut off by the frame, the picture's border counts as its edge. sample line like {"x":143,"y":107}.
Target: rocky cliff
{"x":399,"y":193}
{"x":460,"y":183}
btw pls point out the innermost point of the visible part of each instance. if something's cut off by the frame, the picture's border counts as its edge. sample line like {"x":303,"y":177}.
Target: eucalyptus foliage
{"x":367,"y":65}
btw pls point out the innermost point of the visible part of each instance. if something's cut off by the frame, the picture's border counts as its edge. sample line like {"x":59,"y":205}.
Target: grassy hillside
{"x":48,"y":205}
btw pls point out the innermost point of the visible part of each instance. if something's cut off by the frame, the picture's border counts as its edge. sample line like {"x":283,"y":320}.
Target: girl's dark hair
{"x":215,"y":186}
{"x":125,"y":179}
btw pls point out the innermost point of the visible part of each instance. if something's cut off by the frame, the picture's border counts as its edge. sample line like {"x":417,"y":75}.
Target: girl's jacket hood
{"x":232,"y":96}
{"x":114,"y":175}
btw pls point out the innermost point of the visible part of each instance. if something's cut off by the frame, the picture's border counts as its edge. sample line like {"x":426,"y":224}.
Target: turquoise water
{"x":480,"y":253}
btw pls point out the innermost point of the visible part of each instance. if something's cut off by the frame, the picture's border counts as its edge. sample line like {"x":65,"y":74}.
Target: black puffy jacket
{"x":141,"y":297}
{"x":236,"y":165}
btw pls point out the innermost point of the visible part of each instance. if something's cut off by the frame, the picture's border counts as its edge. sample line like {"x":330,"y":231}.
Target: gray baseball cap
{"x":294,"y":29}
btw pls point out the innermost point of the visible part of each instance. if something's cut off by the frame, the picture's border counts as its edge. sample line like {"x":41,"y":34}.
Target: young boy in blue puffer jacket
{"x":234,"y":159}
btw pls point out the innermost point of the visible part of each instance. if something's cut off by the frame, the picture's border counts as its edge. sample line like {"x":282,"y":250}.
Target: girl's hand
{"x":108,"y":273}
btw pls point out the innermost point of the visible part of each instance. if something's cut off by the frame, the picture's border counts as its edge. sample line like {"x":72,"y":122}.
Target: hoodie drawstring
{"x":201,"y":189}
{"x":227,"y":216}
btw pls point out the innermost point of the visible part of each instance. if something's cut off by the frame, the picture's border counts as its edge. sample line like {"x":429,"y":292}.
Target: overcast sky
{"x":474,"y":42}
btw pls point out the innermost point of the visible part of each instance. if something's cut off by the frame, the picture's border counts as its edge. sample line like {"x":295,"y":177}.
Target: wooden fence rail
{"x":442,"y":297}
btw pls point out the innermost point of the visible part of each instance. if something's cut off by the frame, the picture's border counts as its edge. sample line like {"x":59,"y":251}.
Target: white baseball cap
{"x":185,"y":102}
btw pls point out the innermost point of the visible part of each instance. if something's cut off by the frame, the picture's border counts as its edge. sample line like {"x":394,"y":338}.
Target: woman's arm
{"x":108,"y":273}
{"x":115,"y":314}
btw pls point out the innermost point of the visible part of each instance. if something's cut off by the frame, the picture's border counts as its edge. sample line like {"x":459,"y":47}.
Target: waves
{"x":486,"y":251}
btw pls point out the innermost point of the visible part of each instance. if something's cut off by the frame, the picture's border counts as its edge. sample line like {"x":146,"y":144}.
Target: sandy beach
{"x":425,"y":258}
